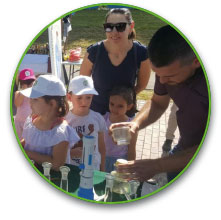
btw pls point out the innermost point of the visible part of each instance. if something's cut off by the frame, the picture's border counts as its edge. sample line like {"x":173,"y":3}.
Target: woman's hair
{"x":26,"y":82}
{"x":62,"y":104}
{"x":126,"y":12}
{"x":128,"y":94}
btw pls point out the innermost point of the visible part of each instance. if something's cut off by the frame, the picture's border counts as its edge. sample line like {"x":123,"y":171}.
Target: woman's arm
{"x":102,"y":150}
{"x":143,"y":76}
{"x":86,"y":66}
{"x":58,"y":157}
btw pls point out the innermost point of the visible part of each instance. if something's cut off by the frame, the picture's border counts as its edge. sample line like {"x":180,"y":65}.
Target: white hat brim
{"x":31,"y":93}
{"x":87,"y":91}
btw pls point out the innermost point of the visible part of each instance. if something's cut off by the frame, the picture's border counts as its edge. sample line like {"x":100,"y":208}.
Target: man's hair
{"x":167,"y":46}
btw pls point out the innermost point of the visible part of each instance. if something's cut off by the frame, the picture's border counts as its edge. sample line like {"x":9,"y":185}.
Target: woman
{"x":117,"y":60}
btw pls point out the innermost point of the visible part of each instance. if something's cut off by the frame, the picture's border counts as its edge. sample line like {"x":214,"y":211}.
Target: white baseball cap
{"x":82,"y":85}
{"x":45,"y":85}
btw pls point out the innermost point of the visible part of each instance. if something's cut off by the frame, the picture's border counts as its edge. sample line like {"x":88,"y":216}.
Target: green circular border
{"x":141,"y":9}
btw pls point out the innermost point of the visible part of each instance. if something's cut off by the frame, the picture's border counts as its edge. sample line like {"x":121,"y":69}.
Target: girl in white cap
{"x":26,"y":78}
{"x":86,"y":121}
{"x":47,"y":136}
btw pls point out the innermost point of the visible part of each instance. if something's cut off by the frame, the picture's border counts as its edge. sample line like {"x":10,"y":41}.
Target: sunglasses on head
{"x":120,"y":27}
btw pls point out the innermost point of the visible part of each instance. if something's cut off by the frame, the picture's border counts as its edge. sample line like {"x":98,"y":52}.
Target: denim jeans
{"x":175,"y":149}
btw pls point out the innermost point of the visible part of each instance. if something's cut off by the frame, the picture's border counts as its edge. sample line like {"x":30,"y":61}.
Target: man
{"x":179,"y":76}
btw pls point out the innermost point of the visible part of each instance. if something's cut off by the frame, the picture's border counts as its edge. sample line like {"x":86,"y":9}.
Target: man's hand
{"x":134,"y":127}
{"x":141,"y":170}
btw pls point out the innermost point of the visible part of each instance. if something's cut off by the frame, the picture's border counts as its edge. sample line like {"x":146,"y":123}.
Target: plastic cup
{"x":121,"y":135}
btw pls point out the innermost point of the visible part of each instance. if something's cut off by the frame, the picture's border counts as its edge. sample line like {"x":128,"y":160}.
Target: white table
{"x":72,"y":68}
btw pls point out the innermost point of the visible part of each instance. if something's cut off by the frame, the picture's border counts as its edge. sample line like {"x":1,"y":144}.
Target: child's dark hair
{"x":26,"y":82}
{"x":129,"y":95}
{"x":63,"y":106}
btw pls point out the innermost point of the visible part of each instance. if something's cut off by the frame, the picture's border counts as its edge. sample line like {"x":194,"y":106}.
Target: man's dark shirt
{"x":191,"y":98}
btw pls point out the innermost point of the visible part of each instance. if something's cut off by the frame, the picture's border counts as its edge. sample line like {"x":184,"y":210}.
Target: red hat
{"x":26,"y":74}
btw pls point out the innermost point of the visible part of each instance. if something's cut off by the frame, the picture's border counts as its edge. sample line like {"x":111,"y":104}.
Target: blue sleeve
{"x":92,"y":51}
{"x":141,"y":51}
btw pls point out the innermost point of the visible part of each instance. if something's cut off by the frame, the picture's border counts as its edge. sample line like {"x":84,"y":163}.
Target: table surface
{"x":79,"y":62}
{"x":74,"y":181}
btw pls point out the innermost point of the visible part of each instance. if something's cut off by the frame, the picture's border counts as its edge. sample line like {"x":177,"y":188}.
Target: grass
{"x":87,"y":28}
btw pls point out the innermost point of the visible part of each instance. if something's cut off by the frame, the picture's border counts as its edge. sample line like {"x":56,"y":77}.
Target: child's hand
{"x":76,"y":152}
{"x":91,"y":128}
{"x":22,"y":141}
{"x":78,"y":144}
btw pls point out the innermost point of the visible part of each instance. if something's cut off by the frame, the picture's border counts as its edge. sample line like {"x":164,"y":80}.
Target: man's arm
{"x":149,"y":113}
{"x":146,"y":169}
{"x":176,"y":162}
{"x":152,"y":110}
{"x":132,"y":147}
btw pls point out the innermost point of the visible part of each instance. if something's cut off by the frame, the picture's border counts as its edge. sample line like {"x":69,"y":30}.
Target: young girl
{"x":26,"y":78}
{"x":121,"y":102}
{"x":47,"y":136}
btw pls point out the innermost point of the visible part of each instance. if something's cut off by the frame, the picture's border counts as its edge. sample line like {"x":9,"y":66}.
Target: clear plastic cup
{"x":121,"y":135}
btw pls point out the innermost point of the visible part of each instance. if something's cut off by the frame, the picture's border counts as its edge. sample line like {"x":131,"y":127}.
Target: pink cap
{"x":26,"y":74}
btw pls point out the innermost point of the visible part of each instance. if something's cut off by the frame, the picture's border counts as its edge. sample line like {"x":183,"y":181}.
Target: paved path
{"x":151,"y":138}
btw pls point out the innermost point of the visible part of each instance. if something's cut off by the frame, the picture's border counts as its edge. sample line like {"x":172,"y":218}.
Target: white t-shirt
{"x":43,"y":141}
{"x":83,"y":125}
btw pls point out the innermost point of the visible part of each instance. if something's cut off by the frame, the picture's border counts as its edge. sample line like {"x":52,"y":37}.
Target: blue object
{"x":86,"y":193}
{"x":82,"y":166}
{"x":89,"y":136}
{"x":90,"y":160}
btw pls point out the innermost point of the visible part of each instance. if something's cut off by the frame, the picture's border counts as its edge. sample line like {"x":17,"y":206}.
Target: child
{"x":26,"y":78}
{"x":86,"y":121}
{"x":46,"y":135}
{"x":121,"y":102}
